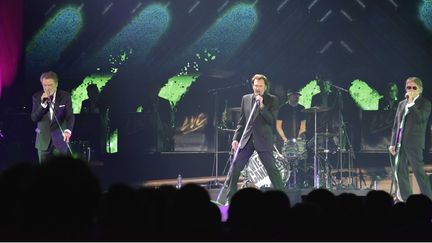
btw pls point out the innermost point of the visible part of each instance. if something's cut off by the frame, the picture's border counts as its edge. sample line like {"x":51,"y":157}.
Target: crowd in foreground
{"x":61,"y":200}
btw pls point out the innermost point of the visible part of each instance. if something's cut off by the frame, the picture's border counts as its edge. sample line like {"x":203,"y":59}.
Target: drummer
{"x":291,"y":121}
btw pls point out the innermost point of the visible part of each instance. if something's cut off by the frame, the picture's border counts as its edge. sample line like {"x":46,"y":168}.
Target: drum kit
{"x":292,"y":160}
{"x":255,"y":172}
{"x":287,"y":162}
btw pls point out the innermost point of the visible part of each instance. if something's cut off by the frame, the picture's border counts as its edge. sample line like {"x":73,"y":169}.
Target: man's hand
{"x":410,"y":96}
{"x":259,"y":99}
{"x":44,"y":97}
{"x":66,"y":136}
{"x":234,"y":145}
{"x":392,"y":150}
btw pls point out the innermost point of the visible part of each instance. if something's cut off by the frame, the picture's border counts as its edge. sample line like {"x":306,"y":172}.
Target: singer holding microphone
{"x":257,"y":136}
{"x":408,"y":139}
{"x":52,"y":111}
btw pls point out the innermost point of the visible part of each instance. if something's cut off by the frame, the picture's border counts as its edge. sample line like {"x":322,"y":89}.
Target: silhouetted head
{"x":392,"y":91}
{"x":92,"y":91}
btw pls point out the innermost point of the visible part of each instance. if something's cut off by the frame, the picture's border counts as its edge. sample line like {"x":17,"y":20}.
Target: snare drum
{"x":294,"y":149}
{"x":257,"y":174}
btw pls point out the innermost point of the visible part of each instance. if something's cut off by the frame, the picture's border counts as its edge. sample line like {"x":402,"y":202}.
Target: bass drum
{"x":257,"y":174}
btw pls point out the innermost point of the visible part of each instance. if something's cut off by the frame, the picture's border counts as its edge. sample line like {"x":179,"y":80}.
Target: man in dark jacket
{"x":408,"y":139}
{"x":258,"y":135}
{"x":49,"y":106}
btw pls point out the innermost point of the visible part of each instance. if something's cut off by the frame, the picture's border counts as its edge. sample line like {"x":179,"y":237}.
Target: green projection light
{"x":231,"y":31}
{"x":80,"y":93}
{"x":119,"y":60}
{"x":207,"y":56}
{"x":364,"y":96}
{"x":178,"y":85}
{"x":55,"y":36}
{"x":112,"y":142}
{"x":307,"y":92}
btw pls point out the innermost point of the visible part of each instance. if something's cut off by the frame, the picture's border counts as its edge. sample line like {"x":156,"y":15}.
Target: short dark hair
{"x":49,"y":75}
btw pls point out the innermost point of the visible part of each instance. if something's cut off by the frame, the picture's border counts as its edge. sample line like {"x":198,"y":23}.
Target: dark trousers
{"x":45,"y":155}
{"x":242,"y":159}
{"x":415,"y":158}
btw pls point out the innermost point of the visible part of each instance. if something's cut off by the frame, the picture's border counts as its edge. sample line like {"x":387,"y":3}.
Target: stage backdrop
{"x":184,"y":65}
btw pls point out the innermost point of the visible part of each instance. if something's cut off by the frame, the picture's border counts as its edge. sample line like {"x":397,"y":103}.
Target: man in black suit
{"x":258,"y":136}
{"x":91,"y":105}
{"x":327,"y":97}
{"x":389,"y":101}
{"x":408,"y":139}
{"x":48,"y":105}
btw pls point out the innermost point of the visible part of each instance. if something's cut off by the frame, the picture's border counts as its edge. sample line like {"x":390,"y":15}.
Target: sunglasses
{"x":411,"y":87}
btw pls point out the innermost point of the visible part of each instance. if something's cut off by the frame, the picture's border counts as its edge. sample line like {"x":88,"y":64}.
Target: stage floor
{"x":163,"y":168}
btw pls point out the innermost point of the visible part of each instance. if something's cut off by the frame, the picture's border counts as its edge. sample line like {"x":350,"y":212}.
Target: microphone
{"x":47,"y":99}
{"x":256,"y":100}
{"x":407,"y":95}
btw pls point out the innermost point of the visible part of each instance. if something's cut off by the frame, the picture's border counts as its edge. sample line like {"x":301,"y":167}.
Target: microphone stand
{"x":342,"y":136}
{"x":398,"y":146}
{"x":236,"y":153}
{"x":393,"y":178}
{"x":51,"y":106}
{"x":338,"y":87}
{"x":215,"y":92}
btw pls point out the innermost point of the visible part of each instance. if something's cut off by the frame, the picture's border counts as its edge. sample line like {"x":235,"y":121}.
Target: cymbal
{"x":327,"y":134}
{"x":227,"y":130}
{"x":314,"y":109}
{"x":234,"y":108}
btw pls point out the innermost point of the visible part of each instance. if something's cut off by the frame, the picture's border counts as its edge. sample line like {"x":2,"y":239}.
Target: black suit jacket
{"x":261,"y":125}
{"x":48,"y":129}
{"x":415,"y":127}
{"x":88,"y":107}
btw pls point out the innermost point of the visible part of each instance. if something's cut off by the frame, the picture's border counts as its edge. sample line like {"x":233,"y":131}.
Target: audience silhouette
{"x":61,"y":200}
